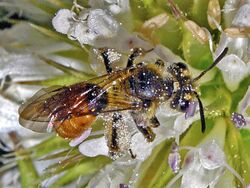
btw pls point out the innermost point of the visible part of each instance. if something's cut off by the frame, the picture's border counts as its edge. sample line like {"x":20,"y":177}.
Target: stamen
{"x":174,"y":158}
{"x":190,"y":111}
{"x":123,"y":185}
{"x":238,"y":120}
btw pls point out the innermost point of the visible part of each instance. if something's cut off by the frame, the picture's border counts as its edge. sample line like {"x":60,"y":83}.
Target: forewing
{"x":100,"y":95}
{"x":35,"y":114}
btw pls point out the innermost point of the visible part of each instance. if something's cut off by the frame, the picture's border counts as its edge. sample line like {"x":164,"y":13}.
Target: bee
{"x":138,"y":89}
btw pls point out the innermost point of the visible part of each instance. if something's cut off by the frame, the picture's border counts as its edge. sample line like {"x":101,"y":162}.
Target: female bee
{"x":139,"y":89}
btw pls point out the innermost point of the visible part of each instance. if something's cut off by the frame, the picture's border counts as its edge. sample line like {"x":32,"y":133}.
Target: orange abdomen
{"x":74,"y":127}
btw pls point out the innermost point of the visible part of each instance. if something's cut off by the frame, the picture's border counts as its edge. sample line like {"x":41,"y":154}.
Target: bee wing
{"x":33,"y":114}
{"x":59,"y":103}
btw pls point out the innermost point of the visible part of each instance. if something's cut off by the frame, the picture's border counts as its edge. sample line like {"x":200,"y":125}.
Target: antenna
{"x":223,"y":53}
{"x":203,"y":123}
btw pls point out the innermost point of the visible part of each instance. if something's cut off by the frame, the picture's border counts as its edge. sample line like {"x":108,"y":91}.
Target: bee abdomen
{"x":74,"y":127}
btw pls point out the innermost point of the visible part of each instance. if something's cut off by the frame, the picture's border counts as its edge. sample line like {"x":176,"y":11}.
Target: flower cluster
{"x":217,"y":158}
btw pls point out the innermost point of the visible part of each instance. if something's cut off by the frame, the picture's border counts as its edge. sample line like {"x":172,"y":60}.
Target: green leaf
{"x":28,"y":173}
{"x":199,"y":12}
{"x":144,"y":10}
{"x":245,"y":152}
{"x":75,"y":53}
{"x":46,"y":7}
{"x":238,"y":95}
{"x":68,"y":70}
{"x":152,"y":168}
{"x":69,"y":161}
{"x":86,"y":167}
{"x":55,"y":35}
{"x":184,"y":6}
{"x":170,"y":35}
{"x":69,"y":151}
{"x":196,"y":54}
{"x":238,"y":152}
{"x":59,"y":4}
{"x":219,"y":105}
{"x":61,"y":80}
{"x":49,"y":145}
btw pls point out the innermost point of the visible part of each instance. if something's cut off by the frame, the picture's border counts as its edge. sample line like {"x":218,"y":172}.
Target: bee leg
{"x":112,"y":135}
{"x":160,"y":63}
{"x":154,"y":122}
{"x":133,"y":156}
{"x":150,"y":114}
{"x":105,"y":57}
{"x":142,"y":125}
{"x":135,"y":53}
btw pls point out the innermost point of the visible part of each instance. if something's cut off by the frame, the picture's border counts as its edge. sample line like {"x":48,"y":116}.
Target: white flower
{"x":91,"y":26}
{"x":203,"y":167}
{"x":115,"y":174}
{"x":211,"y":156}
{"x":114,"y":6}
{"x":63,"y":21}
{"x":232,"y":8}
{"x":234,"y":70}
{"x":81,"y":138}
{"x":236,"y":65}
{"x":242,"y":17}
{"x":94,"y":147}
{"x":23,"y":67}
{"x":244,"y":107}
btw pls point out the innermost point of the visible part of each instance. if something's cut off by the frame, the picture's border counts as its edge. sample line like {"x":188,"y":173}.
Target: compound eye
{"x":181,"y":65}
{"x":175,"y":102}
{"x":180,"y":104}
{"x":184,"y":104}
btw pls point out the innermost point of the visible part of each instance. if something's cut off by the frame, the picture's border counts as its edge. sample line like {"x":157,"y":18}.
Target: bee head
{"x":180,"y":73}
{"x":183,"y":90}
{"x":182,"y":87}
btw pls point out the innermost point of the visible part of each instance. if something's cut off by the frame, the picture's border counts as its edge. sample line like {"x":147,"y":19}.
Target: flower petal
{"x":114,"y":6}
{"x":236,"y":45}
{"x":23,"y":67}
{"x":98,"y":24}
{"x":200,"y":178}
{"x":113,"y":174}
{"x":62,"y":21}
{"x":181,"y":124}
{"x":81,"y":138}
{"x":244,"y":107}
{"x":234,"y":70}
{"x":211,"y":155}
{"x":242,"y":17}
{"x":8,"y":115}
{"x":141,"y":148}
{"x":194,"y":172}
{"x":94,"y":147}
{"x":230,"y":7}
